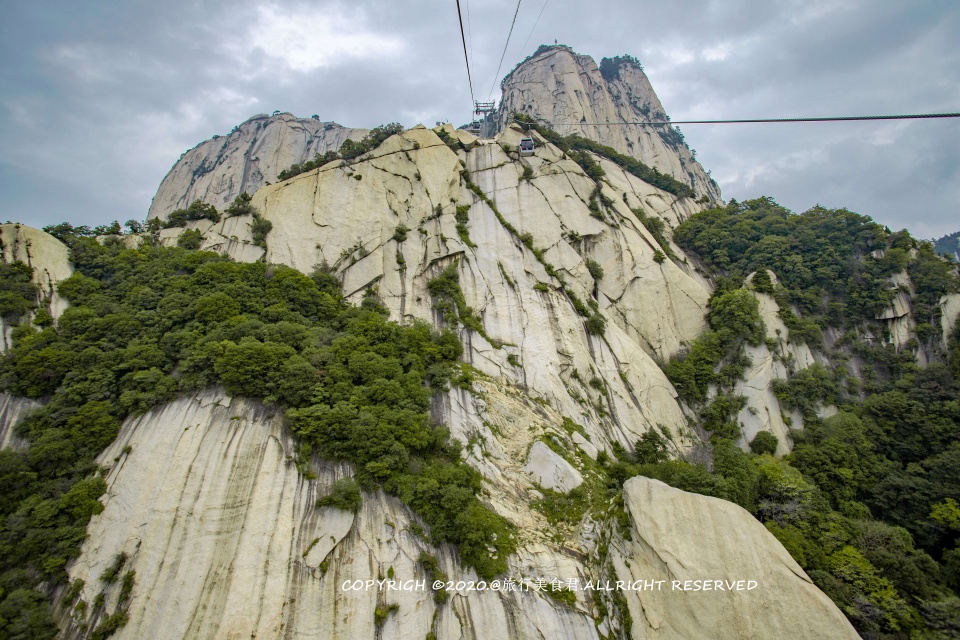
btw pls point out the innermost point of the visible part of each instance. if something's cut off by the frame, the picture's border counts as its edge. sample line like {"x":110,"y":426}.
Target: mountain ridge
{"x":949,"y":244}
{"x":430,"y":358}
{"x":256,"y":151}
{"x":553,"y":272}
{"x":219,"y":169}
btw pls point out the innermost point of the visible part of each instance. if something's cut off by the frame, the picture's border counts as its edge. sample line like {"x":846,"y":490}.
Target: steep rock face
{"x":561,"y":87}
{"x":231,"y":235}
{"x":679,"y":536}
{"x":225,"y":541}
{"x":897,"y":318}
{"x":218,"y":170}
{"x":950,"y":315}
{"x":222,"y":532}
{"x":12,"y":410}
{"x":763,"y":411}
{"x":347,"y":216}
{"x":556,"y":85}
{"x":48,"y":257}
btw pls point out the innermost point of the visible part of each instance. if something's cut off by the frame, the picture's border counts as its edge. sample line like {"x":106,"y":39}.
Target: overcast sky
{"x":98,"y":99}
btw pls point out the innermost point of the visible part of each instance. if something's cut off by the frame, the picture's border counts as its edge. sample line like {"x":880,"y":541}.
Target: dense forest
{"x":867,"y":500}
{"x":949,"y":245}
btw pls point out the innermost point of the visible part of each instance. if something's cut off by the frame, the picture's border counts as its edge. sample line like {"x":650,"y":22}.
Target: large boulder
{"x":550,"y":470}
{"x":724,"y":575}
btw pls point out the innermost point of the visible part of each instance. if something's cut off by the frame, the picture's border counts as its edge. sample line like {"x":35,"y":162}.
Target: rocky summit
{"x":556,"y":86}
{"x":218,"y":170}
{"x":570,"y":92}
{"x":409,"y":383}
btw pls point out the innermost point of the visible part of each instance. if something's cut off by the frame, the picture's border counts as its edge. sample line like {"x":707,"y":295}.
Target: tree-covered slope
{"x":948,"y":244}
{"x":866,"y":501}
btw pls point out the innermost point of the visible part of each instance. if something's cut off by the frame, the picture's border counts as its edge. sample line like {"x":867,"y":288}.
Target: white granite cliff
{"x":218,"y":170}
{"x":12,"y":410}
{"x":205,"y":498}
{"x":557,"y":85}
{"x":222,"y":533}
{"x":48,"y":257}
{"x":346,"y":216}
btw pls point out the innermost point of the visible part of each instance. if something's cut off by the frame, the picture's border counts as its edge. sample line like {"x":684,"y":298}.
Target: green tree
{"x":190,"y":239}
{"x":198,"y":210}
{"x":596,"y":271}
{"x":739,"y":472}
{"x":253,"y":368}
{"x":344,"y":494}
{"x":18,"y":294}
{"x":761,"y":281}
{"x":240,"y":206}
{"x":650,"y":448}
{"x":764,"y":442}
{"x":737,"y":312}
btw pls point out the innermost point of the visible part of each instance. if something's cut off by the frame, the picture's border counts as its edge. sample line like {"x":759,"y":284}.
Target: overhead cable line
{"x":529,"y":35}
{"x":920,"y":116}
{"x":470,"y":29}
{"x":466,"y":59}
{"x":497,"y":74}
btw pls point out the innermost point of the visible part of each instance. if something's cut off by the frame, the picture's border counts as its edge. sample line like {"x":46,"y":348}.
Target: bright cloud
{"x":318,"y":38}
{"x":718,"y":52}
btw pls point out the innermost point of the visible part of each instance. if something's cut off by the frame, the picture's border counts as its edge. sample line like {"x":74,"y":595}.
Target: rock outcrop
{"x":48,"y":257}
{"x":897,"y":319}
{"x":572,"y":302}
{"x":205,"y":499}
{"x":680,"y":537}
{"x":12,"y":409}
{"x":949,"y":315}
{"x":221,"y":532}
{"x":550,"y":470}
{"x":253,"y":154}
{"x":570,"y":92}
{"x":762,"y":411}
{"x":231,"y":235}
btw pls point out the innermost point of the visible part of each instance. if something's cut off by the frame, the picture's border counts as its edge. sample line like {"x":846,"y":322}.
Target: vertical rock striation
{"x":205,"y":499}
{"x":762,"y":411}
{"x":535,"y":215}
{"x":949,"y":315}
{"x":224,"y":540}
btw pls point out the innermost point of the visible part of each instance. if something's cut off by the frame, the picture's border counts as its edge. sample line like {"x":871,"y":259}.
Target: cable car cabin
{"x":526,"y":147}
{"x":474,"y":128}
